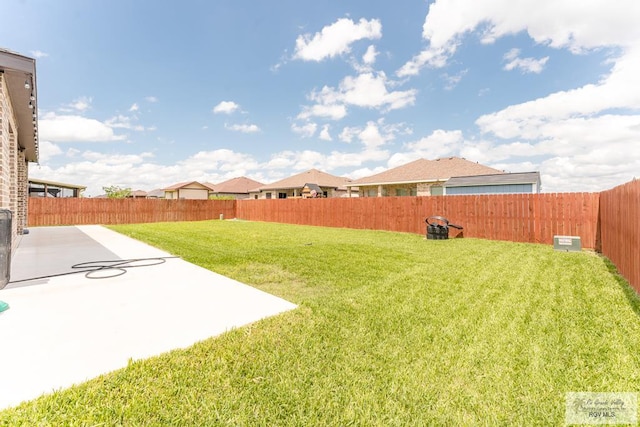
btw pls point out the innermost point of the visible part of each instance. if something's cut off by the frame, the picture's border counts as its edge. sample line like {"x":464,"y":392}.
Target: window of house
{"x":401,"y":192}
{"x":268,"y":195}
{"x":413,"y":191}
{"x":282,"y":195}
{"x":436,"y":190}
{"x":372,"y":192}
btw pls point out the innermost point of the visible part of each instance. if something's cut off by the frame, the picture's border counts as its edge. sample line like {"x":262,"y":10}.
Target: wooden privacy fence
{"x":72,"y":211}
{"x":608,"y":222}
{"x":620,"y":229}
{"x":534,"y":218}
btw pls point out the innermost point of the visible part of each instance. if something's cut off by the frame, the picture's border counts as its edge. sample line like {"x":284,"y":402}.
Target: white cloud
{"x":280,"y":160}
{"x":369,"y":90}
{"x":348,"y":133}
{"x":116,"y":159}
{"x":47,"y":150}
{"x":297,"y":160}
{"x":439,"y":143}
{"x":615,"y":91}
{"x":330,"y":111}
{"x":73,"y":128}
{"x":526,"y":65}
{"x":97,"y":171}
{"x":307,"y":159}
{"x":123,"y":122}
{"x":39,"y":54}
{"x":451,"y":81}
{"x":335,"y":39}
{"x":363,"y":172}
{"x":371,"y":137}
{"x":559,"y":24}
{"x":226,"y":160}
{"x":226,"y":107}
{"x":151,"y":99}
{"x":134,"y":107}
{"x":324,"y":133}
{"x":138,"y":171}
{"x":489,"y":152}
{"x":80,"y":104}
{"x":435,"y":58}
{"x":306,"y":130}
{"x":366,"y":90}
{"x":370,"y":55}
{"x":339,"y":159}
{"x":250,"y":128}
{"x":373,"y":134}
{"x":72,"y":152}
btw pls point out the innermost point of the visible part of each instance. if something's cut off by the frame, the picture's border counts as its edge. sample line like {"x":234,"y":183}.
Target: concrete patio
{"x":64,"y":329}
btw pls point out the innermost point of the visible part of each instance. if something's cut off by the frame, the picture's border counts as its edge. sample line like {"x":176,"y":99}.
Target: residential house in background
{"x":18,"y":134}
{"x":42,"y":188}
{"x":188,"y":190}
{"x":324,"y":184}
{"x":158,"y":193}
{"x":421,"y":177}
{"x":138,"y":194}
{"x":517,"y":182}
{"x":237,"y":188}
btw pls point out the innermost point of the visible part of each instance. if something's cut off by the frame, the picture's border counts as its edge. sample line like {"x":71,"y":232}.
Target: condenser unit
{"x":567,"y":243}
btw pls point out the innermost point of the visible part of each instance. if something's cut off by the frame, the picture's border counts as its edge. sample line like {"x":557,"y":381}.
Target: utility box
{"x":567,"y":243}
{"x":5,"y":247}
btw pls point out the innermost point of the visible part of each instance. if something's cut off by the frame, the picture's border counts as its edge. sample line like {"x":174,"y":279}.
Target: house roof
{"x":56,"y":184}
{"x":313,"y":187}
{"x":240,"y":185}
{"x":138,"y":193}
{"x":313,"y":176}
{"x":158,"y":192}
{"x":188,"y":183}
{"x":423,"y":170}
{"x":20,"y":77}
{"x":495,"y":179}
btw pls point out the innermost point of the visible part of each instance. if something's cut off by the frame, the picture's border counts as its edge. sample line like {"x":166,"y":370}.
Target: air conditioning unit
{"x":567,"y":243}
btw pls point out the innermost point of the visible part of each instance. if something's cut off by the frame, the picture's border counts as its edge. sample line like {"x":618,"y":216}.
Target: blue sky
{"x":144,"y":94}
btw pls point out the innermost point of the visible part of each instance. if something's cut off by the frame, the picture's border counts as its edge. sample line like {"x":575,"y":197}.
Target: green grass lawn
{"x":391,"y":330}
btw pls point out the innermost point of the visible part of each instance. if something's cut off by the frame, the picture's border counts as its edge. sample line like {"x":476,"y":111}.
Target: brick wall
{"x":23,"y":192}
{"x":4,"y":144}
{"x":13,"y":167}
{"x":392,"y":190}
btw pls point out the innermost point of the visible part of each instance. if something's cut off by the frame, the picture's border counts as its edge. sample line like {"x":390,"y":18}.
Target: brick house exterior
{"x":18,"y":134}
{"x":294,"y":186}
{"x":193,"y":190}
{"x":238,"y":188}
{"x":421,"y":177}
